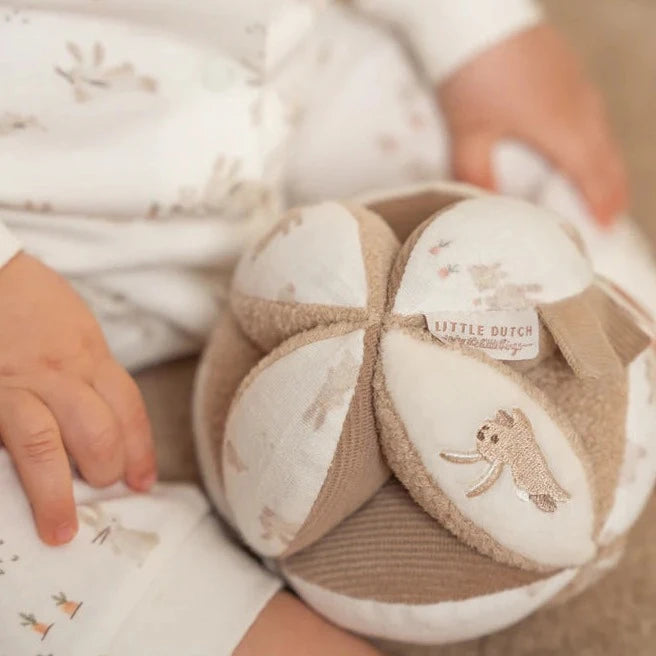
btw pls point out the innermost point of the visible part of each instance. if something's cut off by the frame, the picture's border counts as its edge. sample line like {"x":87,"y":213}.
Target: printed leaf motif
{"x":98,"y":54}
{"x":29,"y":620}
{"x":75,"y":51}
{"x":88,"y":78}
{"x":69,"y":607}
{"x":11,"y":122}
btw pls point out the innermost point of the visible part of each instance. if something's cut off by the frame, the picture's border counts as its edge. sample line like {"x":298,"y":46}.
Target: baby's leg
{"x":286,"y":627}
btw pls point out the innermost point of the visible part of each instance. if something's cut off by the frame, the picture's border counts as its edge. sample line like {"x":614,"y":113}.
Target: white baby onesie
{"x":142,"y":142}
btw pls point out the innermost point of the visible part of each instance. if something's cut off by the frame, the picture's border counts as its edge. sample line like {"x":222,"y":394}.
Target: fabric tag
{"x":502,"y":334}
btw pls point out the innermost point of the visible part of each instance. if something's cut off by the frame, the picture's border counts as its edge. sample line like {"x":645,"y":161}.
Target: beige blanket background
{"x":617,"y":617}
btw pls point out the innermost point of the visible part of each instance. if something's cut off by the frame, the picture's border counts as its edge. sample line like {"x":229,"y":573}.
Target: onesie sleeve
{"x":9,"y":245}
{"x":445,"y":34}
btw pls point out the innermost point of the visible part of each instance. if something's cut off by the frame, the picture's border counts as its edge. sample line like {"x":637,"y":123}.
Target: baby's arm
{"x":287,"y":627}
{"x":502,"y":73}
{"x":61,"y":392}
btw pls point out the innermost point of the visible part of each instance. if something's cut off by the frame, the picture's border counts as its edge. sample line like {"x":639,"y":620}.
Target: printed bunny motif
{"x":276,"y":527}
{"x":337,"y":383}
{"x":505,"y":295}
{"x":133,"y":543}
{"x":487,"y":276}
{"x":509,"y":440}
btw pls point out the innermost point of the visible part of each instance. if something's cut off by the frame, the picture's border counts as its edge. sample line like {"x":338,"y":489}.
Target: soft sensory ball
{"x":427,"y":412}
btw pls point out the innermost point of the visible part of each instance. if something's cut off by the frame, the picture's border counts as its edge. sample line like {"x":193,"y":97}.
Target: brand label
{"x":503,"y":334}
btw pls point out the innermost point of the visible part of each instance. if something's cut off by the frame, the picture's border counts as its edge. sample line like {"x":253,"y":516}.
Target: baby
{"x":142,"y":144}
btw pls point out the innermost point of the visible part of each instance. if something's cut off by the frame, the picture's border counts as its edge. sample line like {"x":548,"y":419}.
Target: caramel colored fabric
{"x":614,"y":618}
{"x":270,"y":323}
{"x":580,"y":337}
{"x":392,"y":551}
{"x":405,"y":213}
{"x":623,"y":333}
{"x":596,"y":408}
{"x":167,"y":392}
{"x":226,"y":362}
{"x":358,"y":469}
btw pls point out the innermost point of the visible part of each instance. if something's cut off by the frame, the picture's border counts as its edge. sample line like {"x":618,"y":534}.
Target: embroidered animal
{"x":509,"y":440}
{"x":338,"y":382}
{"x":133,"y":543}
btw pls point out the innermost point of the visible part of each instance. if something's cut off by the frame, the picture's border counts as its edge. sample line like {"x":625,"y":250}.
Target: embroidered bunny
{"x":509,"y":440}
{"x":133,"y":543}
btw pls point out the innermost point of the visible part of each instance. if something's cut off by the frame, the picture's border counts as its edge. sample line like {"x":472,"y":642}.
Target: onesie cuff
{"x":9,"y":245}
{"x":446,"y":35}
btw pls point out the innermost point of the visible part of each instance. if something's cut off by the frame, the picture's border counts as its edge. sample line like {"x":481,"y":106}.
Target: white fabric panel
{"x":638,"y":473}
{"x":281,"y":437}
{"x":490,"y":247}
{"x":321,"y":256}
{"x":457,"y":395}
{"x":449,"y":621}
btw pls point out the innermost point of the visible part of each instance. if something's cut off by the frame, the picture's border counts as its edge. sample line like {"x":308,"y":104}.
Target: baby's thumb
{"x":471,"y":160}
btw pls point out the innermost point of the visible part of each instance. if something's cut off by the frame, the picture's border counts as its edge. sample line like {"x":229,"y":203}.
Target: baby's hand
{"x":531,"y":87}
{"x":60,"y":390}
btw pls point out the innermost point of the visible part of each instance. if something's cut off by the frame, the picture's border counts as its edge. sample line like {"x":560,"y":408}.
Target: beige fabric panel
{"x":596,"y":408}
{"x":269,"y":323}
{"x":358,"y":469}
{"x":581,"y":338}
{"x":405,"y":213}
{"x":623,"y":333}
{"x":227,"y":361}
{"x":392,"y":551}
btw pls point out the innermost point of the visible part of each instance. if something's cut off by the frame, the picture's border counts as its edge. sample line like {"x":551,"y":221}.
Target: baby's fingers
{"x":119,"y":390}
{"x":471,"y":158}
{"x":31,"y":435}
{"x":88,"y":427}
